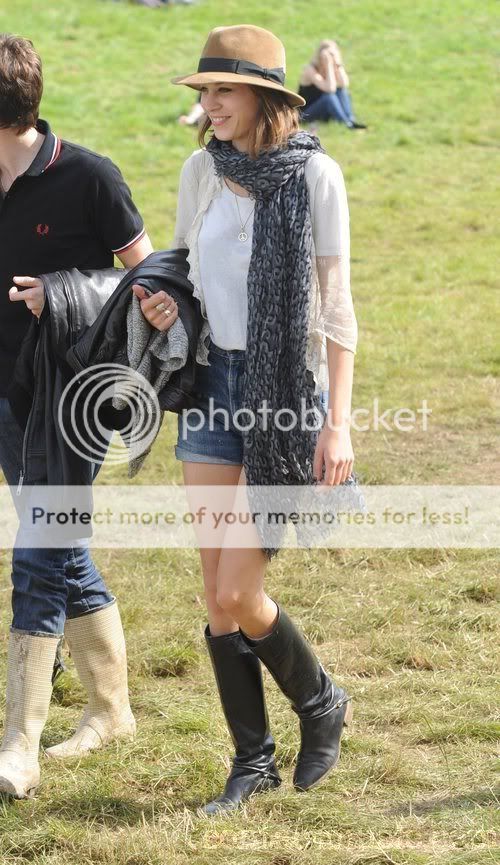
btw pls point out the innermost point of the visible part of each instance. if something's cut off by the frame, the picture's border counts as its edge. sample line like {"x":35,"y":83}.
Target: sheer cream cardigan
{"x":331,"y":313}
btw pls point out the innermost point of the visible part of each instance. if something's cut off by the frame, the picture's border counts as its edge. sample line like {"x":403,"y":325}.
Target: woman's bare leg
{"x":240,"y":580}
{"x":323,"y":708}
{"x":198,"y":474}
{"x":237,"y":669}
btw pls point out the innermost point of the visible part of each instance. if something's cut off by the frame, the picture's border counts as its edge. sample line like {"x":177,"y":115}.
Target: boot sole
{"x":8,"y":790}
{"x":232,"y":808}
{"x":346,"y":723}
{"x":125,"y":736}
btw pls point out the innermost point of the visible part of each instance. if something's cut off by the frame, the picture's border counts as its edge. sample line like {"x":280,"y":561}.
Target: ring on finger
{"x":167,"y":312}
{"x":160,"y":307}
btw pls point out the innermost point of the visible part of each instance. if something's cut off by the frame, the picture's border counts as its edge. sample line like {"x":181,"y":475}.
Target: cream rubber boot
{"x":97,"y":645}
{"x":29,"y":688}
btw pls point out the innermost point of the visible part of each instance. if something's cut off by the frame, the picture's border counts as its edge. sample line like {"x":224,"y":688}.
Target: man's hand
{"x":29,"y":289}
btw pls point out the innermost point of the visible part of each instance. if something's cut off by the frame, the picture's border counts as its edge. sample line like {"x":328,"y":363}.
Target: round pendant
{"x":243,"y":236}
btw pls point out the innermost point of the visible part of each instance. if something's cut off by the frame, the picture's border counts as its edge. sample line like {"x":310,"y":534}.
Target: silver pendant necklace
{"x":243,"y":235}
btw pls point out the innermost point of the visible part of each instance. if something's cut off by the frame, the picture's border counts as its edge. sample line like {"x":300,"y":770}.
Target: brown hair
{"x":21,"y":83}
{"x":276,"y":122}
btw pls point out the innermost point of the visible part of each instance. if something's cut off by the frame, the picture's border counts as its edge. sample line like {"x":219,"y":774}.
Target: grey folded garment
{"x":155,"y":355}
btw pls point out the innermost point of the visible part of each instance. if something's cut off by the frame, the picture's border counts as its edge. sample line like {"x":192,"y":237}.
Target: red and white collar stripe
{"x":55,"y":152}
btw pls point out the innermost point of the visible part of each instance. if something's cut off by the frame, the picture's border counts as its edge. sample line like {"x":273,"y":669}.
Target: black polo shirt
{"x":71,"y":208}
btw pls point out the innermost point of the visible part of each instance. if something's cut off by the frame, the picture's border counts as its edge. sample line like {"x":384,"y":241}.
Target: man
{"x":61,"y":206}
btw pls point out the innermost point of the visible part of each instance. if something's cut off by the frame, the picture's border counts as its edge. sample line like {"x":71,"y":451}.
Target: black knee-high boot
{"x":239,"y":679}
{"x":323,"y":708}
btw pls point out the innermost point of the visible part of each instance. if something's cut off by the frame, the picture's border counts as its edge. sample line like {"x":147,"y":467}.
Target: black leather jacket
{"x":84,"y":322}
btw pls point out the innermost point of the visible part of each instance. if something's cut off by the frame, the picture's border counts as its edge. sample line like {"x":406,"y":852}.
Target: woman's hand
{"x":335,"y":52}
{"x":159,"y":309}
{"x":334,"y":453}
{"x":327,"y":56}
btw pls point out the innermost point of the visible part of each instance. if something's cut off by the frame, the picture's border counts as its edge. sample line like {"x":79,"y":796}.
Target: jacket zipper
{"x":70,"y":306}
{"x":22,"y":474}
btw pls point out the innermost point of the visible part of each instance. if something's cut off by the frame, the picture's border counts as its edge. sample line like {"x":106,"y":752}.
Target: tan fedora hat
{"x":243,"y":54}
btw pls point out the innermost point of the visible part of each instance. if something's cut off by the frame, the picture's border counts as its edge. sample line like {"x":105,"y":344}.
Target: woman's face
{"x":233,"y":110}
{"x":330,"y":51}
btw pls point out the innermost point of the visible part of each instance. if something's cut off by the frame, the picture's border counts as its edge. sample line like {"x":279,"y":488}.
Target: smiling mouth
{"x":218,"y":121}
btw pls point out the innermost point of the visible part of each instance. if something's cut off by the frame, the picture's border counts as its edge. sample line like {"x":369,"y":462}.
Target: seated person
{"x":195,"y":117}
{"x":323,"y":84}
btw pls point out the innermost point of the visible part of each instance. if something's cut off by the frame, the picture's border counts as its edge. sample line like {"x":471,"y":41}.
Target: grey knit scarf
{"x":279,"y":290}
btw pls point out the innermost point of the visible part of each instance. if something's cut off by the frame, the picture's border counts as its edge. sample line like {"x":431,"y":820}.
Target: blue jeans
{"x":331,"y":106}
{"x":49,"y":585}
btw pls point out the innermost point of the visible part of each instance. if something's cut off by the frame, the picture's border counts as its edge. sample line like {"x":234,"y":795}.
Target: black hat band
{"x":241,"y":67}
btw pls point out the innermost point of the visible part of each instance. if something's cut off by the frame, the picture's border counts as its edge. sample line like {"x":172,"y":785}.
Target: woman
{"x":264,"y":215}
{"x":324,"y":84}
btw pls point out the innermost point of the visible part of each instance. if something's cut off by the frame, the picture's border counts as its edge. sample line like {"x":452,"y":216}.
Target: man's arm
{"x":136,"y":253}
{"x":30,"y":288}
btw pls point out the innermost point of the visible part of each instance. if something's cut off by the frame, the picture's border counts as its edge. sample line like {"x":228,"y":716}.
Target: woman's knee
{"x":220,"y":621}
{"x":235,"y":601}
{"x":240,"y":580}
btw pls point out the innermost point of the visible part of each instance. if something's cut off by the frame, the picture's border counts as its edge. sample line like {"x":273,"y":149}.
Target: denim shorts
{"x":212,"y":432}
{"x":207,"y":434}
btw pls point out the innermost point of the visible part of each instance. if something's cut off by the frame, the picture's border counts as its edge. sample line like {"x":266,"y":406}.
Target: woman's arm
{"x":341,"y":76}
{"x":334,"y":449}
{"x":326,"y":81}
{"x":340,"y":379}
{"x":336,"y":320}
{"x":153,"y":307}
{"x":187,"y":201}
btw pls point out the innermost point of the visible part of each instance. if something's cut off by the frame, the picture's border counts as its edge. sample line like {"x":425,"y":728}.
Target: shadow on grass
{"x":98,"y":809}
{"x":465,"y":801}
{"x":111,"y":811}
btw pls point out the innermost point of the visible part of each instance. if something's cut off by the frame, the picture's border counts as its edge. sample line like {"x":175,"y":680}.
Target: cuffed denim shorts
{"x":212,"y":432}
{"x":208,"y":434}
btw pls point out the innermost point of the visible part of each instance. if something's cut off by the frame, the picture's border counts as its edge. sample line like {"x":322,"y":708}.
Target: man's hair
{"x":21,"y":83}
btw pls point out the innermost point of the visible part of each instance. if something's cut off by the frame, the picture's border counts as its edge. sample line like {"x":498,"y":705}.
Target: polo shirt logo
{"x":42,"y":229}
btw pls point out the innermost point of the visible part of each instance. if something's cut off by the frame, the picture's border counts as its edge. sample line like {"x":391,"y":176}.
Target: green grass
{"x":411,"y":633}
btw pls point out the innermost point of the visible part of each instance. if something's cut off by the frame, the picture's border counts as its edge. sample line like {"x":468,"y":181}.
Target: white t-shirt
{"x":224,"y":264}
{"x":225,"y":260}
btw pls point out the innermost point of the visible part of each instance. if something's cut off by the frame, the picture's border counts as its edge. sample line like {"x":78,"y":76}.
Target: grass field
{"x":412,"y":634}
